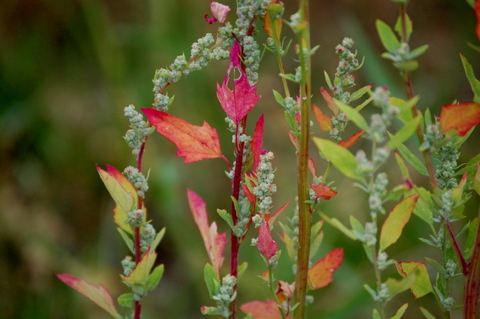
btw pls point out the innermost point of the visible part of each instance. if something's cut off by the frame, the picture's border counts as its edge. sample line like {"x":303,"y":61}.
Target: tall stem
{"x":472,"y":282}
{"x":234,"y":242}
{"x":302,"y":161}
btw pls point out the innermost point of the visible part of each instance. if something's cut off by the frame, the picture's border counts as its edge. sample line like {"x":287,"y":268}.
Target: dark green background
{"x":67,"y":69}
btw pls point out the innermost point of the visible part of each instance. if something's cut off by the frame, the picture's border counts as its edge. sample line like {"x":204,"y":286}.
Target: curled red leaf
{"x":461,"y":117}
{"x":321,"y":273}
{"x":266,"y":245}
{"x":323,"y":191}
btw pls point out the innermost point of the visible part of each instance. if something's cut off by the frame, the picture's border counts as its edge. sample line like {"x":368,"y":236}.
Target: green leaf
{"x":400,"y":312}
{"x":474,"y":83}
{"x":409,"y":66}
{"x":393,"y":226}
{"x":338,"y":225}
{"x":353,"y":115}
{"x":375,"y":314}
{"x":404,"y":133}
{"x":126,"y":300}
{"x":402,"y":166}
{"x":126,"y":239}
{"x":368,"y":252}
{"x":397,"y":286}
{"x":158,"y":239}
{"x":422,"y":285}
{"x":439,"y":268}
{"x":415,"y":53}
{"x":357,"y":227}
{"x":280,"y":100}
{"x":388,"y":38}
{"x":210,"y":276}
{"x":405,"y":107}
{"x":315,"y":244}
{"x":470,"y":242}
{"x":289,"y":77}
{"x":327,"y":79}
{"x":155,"y":277}
{"x":398,"y":27}
{"x":412,"y":159}
{"x":427,"y":314}
{"x":241,"y":269}
{"x":226,"y":217}
{"x":425,"y":206}
{"x":340,"y":157}
{"x":359,"y":93}
{"x":139,"y":276}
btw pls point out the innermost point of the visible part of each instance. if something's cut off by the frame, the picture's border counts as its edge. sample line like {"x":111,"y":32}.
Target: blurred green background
{"x":67,"y":69}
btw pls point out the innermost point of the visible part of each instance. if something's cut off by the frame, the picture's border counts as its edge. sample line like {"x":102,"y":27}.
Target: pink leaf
{"x":194,"y":143}
{"x":257,"y":142}
{"x":219,"y":11}
{"x":239,"y":102}
{"x":262,"y":309}
{"x":214,"y":243}
{"x":321,"y":273}
{"x":98,"y":295}
{"x":266,"y":245}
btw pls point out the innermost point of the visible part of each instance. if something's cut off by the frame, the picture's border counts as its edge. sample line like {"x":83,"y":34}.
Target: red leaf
{"x":262,"y":309}
{"x":98,"y":295}
{"x":461,"y":117}
{"x":251,"y":198}
{"x":330,"y":102}
{"x":214,"y":243}
{"x":266,"y":245}
{"x":257,"y":142}
{"x":239,"y":102}
{"x":323,"y":191}
{"x":352,"y":140}
{"x":293,"y":138}
{"x":321,"y":274}
{"x":311,"y":166}
{"x":194,"y":143}
{"x":324,"y":121}
{"x":271,"y":218}
{"x":477,"y":13}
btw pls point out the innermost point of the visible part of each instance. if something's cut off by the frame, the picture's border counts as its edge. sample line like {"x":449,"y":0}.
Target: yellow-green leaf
{"x":422,"y":285}
{"x":139,"y":275}
{"x":393,"y":226}
{"x":400,"y":312}
{"x":404,"y":133}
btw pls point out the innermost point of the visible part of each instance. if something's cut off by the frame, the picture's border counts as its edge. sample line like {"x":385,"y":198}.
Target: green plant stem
{"x":302,"y":162}
{"x":378,"y":277}
{"x":234,"y":242}
{"x":272,"y":289}
{"x":472,"y":282}
{"x":278,"y":48}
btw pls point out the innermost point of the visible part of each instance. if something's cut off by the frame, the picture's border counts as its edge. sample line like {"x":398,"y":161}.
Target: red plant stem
{"x":472,"y":282}
{"x":136,"y":239}
{"x":234,"y":242}
{"x":456,"y":248}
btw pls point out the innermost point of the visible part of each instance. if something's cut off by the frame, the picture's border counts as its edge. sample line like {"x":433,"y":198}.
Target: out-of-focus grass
{"x":67,"y":69}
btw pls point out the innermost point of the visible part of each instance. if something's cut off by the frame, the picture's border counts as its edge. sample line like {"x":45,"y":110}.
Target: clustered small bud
{"x":135,"y":217}
{"x":139,"y":129}
{"x":347,"y":63}
{"x":138,"y":180}
{"x":128,"y":265}
{"x":265,"y":187}
{"x":147,"y":235}
{"x":226,"y":294}
{"x":447,"y":157}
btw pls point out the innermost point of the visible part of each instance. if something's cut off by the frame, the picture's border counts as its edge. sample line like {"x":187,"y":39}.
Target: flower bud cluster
{"x":383,"y":294}
{"x":380,"y":122}
{"x":135,"y":218}
{"x":252,"y":59}
{"x":364,"y":166}
{"x":447,"y":156}
{"x":377,"y":194}
{"x":446,"y":207}
{"x":450,"y":269}
{"x":265,"y":187}
{"x":223,"y":298}
{"x":247,"y":11}
{"x":370,"y":236}
{"x":383,"y":262}
{"x":128,"y":265}
{"x":139,"y":129}
{"x":432,"y":134}
{"x":291,"y":106}
{"x":243,"y":215}
{"x":338,"y":125}
{"x":347,"y":63}
{"x":147,"y":235}
{"x":138,"y":180}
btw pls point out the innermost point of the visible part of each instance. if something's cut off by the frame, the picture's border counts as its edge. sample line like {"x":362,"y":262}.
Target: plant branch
{"x":302,"y":161}
{"x":472,"y":282}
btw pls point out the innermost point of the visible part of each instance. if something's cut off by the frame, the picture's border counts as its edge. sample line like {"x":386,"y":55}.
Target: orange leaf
{"x":324,"y":121}
{"x":321,"y":274}
{"x":352,"y":140}
{"x":268,"y":24}
{"x":461,"y":117}
{"x":323,"y":191}
{"x":262,"y":309}
{"x":194,"y":143}
{"x":98,"y":295}
{"x":271,"y":218}
{"x":214,"y":243}
{"x":330,"y":102}
{"x":311,"y":166}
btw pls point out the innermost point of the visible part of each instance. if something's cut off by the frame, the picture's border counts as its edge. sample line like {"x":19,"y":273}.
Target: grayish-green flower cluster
{"x":147,"y":235}
{"x":447,"y":157}
{"x":265,"y":187}
{"x":139,"y":129}
{"x":138,"y":180}
{"x":226,"y":294}
{"x":347,"y":64}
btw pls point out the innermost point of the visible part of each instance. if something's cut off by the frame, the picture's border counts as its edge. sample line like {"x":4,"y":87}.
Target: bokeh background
{"x":67,"y":69}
